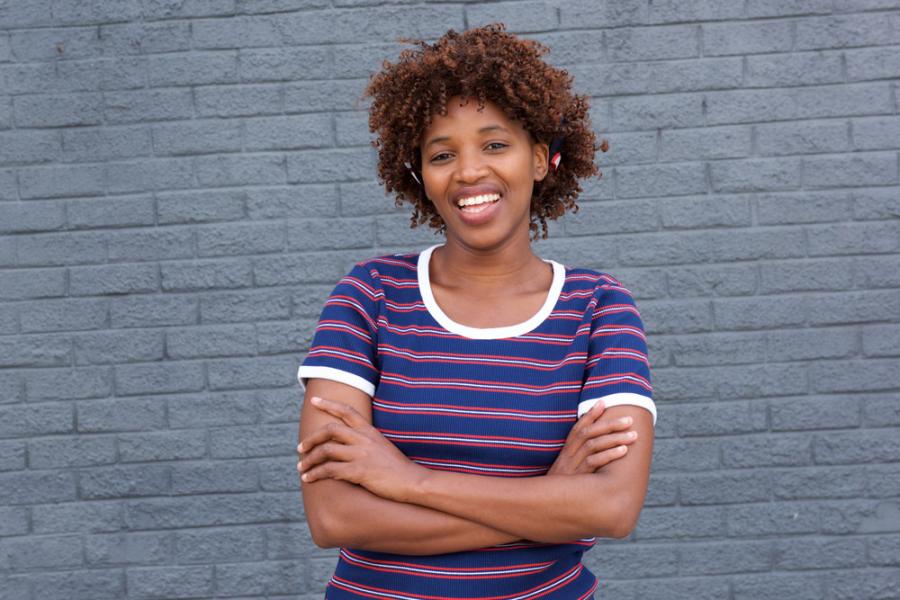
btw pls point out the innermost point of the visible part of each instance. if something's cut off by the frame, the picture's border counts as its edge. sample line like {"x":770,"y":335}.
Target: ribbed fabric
{"x":497,"y":402}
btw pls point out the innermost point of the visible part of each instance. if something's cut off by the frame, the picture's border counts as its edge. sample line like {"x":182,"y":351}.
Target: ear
{"x":541,"y":160}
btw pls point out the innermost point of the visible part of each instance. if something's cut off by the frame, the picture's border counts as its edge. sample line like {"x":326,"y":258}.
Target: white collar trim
{"x":487,"y":333}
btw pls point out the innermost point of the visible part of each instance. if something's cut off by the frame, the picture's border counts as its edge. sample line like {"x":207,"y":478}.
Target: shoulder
{"x":600,"y":282}
{"x":391,"y":265}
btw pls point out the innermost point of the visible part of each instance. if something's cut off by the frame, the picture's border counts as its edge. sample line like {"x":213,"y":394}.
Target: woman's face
{"x":484,"y":159}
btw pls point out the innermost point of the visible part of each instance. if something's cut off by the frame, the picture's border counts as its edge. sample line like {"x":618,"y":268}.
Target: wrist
{"x":417,"y":484}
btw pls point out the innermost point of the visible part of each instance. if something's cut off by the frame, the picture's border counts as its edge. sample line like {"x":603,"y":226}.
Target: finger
{"x":605,"y":442}
{"x":600,"y":459}
{"x":328,"y":470}
{"x":605,"y":426}
{"x":344,"y":412}
{"x":329,"y":431}
{"x":325,"y":452}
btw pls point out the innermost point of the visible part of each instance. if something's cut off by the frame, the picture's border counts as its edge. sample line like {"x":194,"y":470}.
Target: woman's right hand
{"x":593,"y":442}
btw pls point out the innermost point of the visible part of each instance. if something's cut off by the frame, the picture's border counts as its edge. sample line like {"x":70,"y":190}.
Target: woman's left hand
{"x":355,"y":451}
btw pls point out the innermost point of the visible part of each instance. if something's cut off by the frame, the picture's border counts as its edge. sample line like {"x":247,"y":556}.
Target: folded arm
{"x":340,"y":513}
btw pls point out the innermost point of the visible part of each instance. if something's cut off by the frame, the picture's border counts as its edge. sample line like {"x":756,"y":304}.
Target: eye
{"x":437,"y":158}
{"x":500,"y":144}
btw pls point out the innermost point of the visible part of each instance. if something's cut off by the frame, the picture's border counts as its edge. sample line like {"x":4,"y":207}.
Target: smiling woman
{"x":475,"y":415}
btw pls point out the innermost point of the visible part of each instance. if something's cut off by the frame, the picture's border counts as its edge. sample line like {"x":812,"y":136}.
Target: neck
{"x":456,"y":264}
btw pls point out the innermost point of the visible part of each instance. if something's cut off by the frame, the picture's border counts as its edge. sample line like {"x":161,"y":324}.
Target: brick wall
{"x":183,"y":181}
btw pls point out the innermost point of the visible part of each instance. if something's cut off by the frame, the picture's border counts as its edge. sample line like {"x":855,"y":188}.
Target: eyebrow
{"x":444,"y":138}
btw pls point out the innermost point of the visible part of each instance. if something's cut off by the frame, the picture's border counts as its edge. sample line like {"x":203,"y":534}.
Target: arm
{"x":552,"y":508}
{"x":340,"y":513}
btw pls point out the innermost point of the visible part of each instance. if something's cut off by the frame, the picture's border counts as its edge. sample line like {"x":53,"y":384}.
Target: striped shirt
{"x":494,"y":401}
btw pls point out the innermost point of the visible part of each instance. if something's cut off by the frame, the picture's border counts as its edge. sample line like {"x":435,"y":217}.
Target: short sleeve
{"x":617,"y":368}
{"x":344,"y":345}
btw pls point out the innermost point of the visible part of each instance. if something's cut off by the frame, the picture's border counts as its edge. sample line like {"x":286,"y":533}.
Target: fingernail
{"x":631,"y":435}
{"x":316,"y":400}
{"x":300,"y":447}
{"x":625,"y":420}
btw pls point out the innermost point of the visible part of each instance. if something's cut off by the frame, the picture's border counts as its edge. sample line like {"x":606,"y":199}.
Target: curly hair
{"x":490,"y":65}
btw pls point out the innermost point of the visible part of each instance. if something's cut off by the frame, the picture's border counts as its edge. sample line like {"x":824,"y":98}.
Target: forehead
{"x":468,"y":119}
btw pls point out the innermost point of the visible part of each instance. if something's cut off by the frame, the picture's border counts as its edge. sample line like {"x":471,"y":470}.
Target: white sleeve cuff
{"x":618,"y":399}
{"x":305,"y":373}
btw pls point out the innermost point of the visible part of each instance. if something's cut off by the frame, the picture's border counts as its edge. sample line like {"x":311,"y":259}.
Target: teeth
{"x":481,"y":199}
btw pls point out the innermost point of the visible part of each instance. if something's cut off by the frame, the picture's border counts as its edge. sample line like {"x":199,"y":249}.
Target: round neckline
{"x":487,"y":333}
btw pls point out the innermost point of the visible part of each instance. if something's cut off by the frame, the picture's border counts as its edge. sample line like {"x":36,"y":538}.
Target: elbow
{"x":327,"y":528}
{"x":622,"y":519}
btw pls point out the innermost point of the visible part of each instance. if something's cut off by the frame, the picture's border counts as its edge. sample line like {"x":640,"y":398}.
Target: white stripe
{"x":496,"y":571}
{"x":486,"y":469}
{"x":620,"y":399}
{"x":462,"y":411}
{"x":310,"y":372}
{"x":471,"y":440}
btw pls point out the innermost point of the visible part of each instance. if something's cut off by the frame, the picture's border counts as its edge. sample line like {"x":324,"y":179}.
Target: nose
{"x":470,"y":166}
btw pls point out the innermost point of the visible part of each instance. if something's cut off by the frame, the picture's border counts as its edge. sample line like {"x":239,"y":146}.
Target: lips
{"x":475,"y":190}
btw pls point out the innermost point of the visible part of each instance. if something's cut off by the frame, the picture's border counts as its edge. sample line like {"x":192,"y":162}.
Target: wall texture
{"x":183,"y":181}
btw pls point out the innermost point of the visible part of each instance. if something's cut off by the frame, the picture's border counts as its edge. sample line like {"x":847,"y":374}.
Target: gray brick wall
{"x":183,"y":181}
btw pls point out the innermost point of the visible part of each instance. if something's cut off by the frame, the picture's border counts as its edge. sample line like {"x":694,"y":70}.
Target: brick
{"x":830,"y":482}
{"x":729,"y":557}
{"x":751,"y":37}
{"x":206,"y":275}
{"x":153,"y":311}
{"x":759,"y":451}
{"x":198,"y":342}
{"x":212,"y":509}
{"x":68,"y":384}
{"x":651,"y":112}
{"x":755,"y":175}
{"x":587,"y":13}
{"x":12,"y":456}
{"x":219,"y":545}
{"x":164,"y":9}
{"x":696,"y":588}
{"x":776,"y":519}
{"x":60,"y":110}
{"x":280,"y":577}
{"x":54,"y":181}
{"x":200,"y":206}
{"x":215,"y":477}
{"x":37,"y":419}
{"x":151,"y":38}
{"x":127,"y":549}
{"x":276,"y":338}
{"x":285,"y":64}
{"x":608,"y":217}
{"x":29,"y":147}
{"x":170,"y":582}
{"x":725,"y":488}
{"x":68,"y":452}
{"x":859,"y":585}
{"x":144,"y":175}
{"x":162,"y":445}
{"x":36,"y":487}
{"x":82,"y":516}
{"x":242,"y":169}
{"x":123,"y":482}
{"x":256,"y":441}
{"x":845,"y":31}
{"x":850,"y":307}
{"x":279,"y":406}
{"x":14,"y":520}
{"x":113,"y":279}
{"x":330,"y":234}
{"x":866,"y":169}
{"x":302,"y":268}
{"x":300,"y":201}
{"x":875,"y":133}
{"x":319,"y":166}
{"x":155,"y":378}
{"x":680,"y":523}
{"x":289,"y":132}
{"x":252,"y":305}
{"x":110,"y":212}
{"x":198,"y":137}
{"x":241,"y":238}
{"x":279,"y":475}
{"x":803,"y":207}
{"x":814,"y":413}
{"x":227,"y":408}
{"x":861,"y":446}
{"x":46,"y":552}
{"x":289,"y":540}
{"x":97,"y":584}
{"x":108,"y":347}
{"x":151,"y":244}
{"x":106,"y":142}
{"x":745,"y":106}
{"x":35,"y":351}
{"x":881,"y":410}
{"x":802,"y":68}
{"x":805,"y":275}
{"x":121,"y":414}
{"x":518,"y":16}
{"x":239,"y":100}
{"x":195,"y":68}
{"x":884,"y":551}
{"x":100,"y":74}
{"x":147,"y":105}
{"x":719,"y":419}
{"x":771,"y":585}
{"x":634,"y":561}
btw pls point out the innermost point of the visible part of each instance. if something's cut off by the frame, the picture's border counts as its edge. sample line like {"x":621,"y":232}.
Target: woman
{"x":452,"y":443}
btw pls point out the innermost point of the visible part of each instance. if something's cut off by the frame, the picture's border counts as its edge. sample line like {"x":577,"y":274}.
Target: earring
{"x":411,"y":172}
{"x":556,"y":146}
